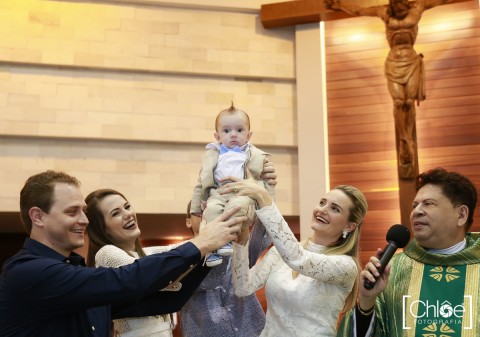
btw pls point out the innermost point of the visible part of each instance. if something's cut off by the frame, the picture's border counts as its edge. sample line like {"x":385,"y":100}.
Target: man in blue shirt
{"x":46,"y":290}
{"x":214,"y":310}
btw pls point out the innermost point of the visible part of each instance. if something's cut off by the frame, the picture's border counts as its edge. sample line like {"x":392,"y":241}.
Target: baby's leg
{"x":247,"y":208}
{"x":215,"y":206}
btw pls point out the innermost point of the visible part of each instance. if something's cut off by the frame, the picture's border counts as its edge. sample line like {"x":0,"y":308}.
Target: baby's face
{"x":232,"y":130}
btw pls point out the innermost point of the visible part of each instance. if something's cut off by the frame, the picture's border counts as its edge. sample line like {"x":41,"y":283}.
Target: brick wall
{"x":124,"y":95}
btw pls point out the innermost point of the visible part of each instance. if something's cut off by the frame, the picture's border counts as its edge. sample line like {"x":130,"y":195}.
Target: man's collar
{"x":40,"y":249}
{"x":469,"y":255}
{"x":450,"y":250}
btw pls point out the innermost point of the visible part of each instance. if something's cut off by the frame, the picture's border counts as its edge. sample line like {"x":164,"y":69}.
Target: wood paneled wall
{"x":361,"y":126}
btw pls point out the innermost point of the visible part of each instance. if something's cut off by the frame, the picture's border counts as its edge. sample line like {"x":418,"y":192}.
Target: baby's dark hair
{"x":232,"y":110}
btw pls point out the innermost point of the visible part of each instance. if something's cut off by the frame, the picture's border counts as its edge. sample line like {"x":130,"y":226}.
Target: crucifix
{"x":403,"y":67}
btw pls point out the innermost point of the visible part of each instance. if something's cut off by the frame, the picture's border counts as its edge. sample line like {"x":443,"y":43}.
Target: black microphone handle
{"x":387,"y":254}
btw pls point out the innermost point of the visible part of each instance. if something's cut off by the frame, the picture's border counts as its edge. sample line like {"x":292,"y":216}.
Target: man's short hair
{"x":455,"y":186}
{"x":38,"y":192}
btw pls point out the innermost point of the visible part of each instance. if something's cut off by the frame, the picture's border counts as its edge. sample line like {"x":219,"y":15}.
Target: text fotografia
{"x":429,"y":312}
{"x":438,"y":321}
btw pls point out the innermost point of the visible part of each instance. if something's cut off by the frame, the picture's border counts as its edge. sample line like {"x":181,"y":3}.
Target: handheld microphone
{"x":397,"y":237}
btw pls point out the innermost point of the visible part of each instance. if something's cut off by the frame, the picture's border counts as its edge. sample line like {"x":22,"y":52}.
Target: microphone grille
{"x":399,"y":234}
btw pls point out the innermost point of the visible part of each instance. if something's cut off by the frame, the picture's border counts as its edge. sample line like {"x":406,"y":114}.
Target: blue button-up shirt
{"x":215,"y":311}
{"x":45,"y":294}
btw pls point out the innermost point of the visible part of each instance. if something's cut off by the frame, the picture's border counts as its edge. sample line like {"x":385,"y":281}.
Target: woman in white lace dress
{"x":307,"y":285}
{"x":114,"y":241}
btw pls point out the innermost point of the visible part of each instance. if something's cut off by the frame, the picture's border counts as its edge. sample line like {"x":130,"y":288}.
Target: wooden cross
{"x":300,"y":12}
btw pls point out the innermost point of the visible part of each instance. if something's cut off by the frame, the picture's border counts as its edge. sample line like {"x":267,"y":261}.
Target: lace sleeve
{"x":258,"y":242}
{"x":338,"y":269}
{"x":111,"y":256}
{"x":245,"y":280}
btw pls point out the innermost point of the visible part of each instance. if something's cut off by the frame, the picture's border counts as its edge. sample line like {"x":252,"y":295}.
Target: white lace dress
{"x":151,"y":326}
{"x":306,"y":306}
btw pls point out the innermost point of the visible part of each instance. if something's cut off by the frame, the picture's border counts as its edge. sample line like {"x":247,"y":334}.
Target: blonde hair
{"x":349,"y":245}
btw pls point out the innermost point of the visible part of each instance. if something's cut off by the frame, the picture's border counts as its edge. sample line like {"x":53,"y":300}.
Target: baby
{"x":231,"y":156}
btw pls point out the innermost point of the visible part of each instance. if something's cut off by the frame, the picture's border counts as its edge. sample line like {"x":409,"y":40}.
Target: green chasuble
{"x":428,"y":295}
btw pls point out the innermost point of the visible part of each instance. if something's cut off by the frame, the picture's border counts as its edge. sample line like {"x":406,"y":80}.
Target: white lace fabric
{"x":308,"y":305}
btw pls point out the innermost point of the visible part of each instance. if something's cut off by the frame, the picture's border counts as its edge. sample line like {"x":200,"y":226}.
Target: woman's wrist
{"x":243,"y":236}
{"x":365,"y":306}
{"x":364,"y":312}
{"x":264,"y":200}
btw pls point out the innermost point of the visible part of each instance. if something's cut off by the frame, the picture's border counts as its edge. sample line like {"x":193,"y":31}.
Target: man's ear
{"x":36,"y":214}
{"x":462,"y":215}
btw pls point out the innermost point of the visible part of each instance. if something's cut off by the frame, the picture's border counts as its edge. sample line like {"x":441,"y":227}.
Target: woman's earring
{"x":344,"y":234}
